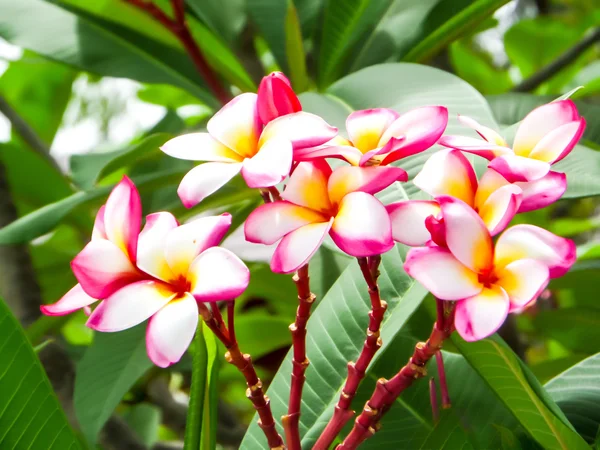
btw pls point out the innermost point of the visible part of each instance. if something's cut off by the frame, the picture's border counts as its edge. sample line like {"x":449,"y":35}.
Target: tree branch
{"x":559,"y":63}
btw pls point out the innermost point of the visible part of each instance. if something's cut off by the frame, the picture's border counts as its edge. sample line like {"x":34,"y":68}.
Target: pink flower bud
{"x":276,"y":98}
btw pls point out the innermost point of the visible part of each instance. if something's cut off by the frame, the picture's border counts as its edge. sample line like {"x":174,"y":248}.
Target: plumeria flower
{"x":487,"y":281}
{"x":237,"y":141}
{"x":108,"y":262}
{"x":449,"y":172}
{"x":381,"y":136}
{"x":276,"y":98}
{"x":318,"y":201}
{"x":545,"y":136}
{"x":186,"y":267}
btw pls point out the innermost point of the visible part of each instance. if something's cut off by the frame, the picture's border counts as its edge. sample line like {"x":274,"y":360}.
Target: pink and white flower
{"x":318,"y":201}
{"x":381,"y":136}
{"x":276,"y":98}
{"x":237,"y":141}
{"x":487,"y":281}
{"x":545,"y":136}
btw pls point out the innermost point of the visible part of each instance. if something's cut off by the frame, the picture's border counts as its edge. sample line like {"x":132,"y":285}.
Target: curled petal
{"x":73,"y":300}
{"x":523,"y":281}
{"x":476,"y":146}
{"x":448,"y":172}
{"x":541,"y":121}
{"x":307,"y":186}
{"x":345,"y":152}
{"x":130,"y":306}
{"x":123,"y":217}
{"x":205,"y":179}
{"x":437,"y":230}
{"x":217,"y":274}
{"x":500,"y":208}
{"x":529,"y":241}
{"x":269,"y":223}
{"x":466,"y":235}
{"x":237,"y":125}
{"x":480,"y":316}
{"x":187,"y":241}
{"x":485,"y":132}
{"x":519,"y":168}
{"x":489,"y":183}
{"x":302,"y":129}
{"x":362,"y":226}
{"x":276,"y":97}
{"x":366,"y":126}
{"x":270,"y":165}
{"x":558,"y":143}
{"x":441,"y":273}
{"x":171,"y":329}
{"x":151,"y":247}
{"x":543,"y":192}
{"x":408,"y":221}
{"x":297,"y":247}
{"x":199,"y":147}
{"x":99,"y":232}
{"x":102,"y":268}
{"x":371,"y":180}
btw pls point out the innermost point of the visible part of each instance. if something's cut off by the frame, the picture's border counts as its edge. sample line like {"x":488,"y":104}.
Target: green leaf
{"x":576,"y":392}
{"x":260,"y":334}
{"x":30,"y":415}
{"x":295,"y":49}
{"x":577,"y":329}
{"x":229,"y":25}
{"x":108,"y":369}
{"x":144,"y":419}
{"x":193,"y":428}
{"x":518,"y":389}
{"x":211,"y":399}
{"x":582,"y":167}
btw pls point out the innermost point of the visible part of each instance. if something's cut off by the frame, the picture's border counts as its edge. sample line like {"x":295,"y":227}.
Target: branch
{"x":178,"y":27}
{"x":559,"y":63}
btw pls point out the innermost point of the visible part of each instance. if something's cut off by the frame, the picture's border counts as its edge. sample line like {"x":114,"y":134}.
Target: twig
{"x":356,"y":371}
{"x":180,"y":30}
{"x":300,"y":362}
{"x":559,"y":63}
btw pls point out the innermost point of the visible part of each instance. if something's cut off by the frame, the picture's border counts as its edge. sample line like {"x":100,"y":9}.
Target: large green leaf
{"x":576,"y":392}
{"x":228,"y":25}
{"x":30,"y":415}
{"x":108,"y":369}
{"x":577,"y":329}
{"x":582,"y":167}
{"x":520,"y":391}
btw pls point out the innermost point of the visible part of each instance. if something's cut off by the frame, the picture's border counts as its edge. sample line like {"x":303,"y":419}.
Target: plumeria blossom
{"x":381,"y":136}
{"x":186,"y":267}
{"x":487,"y":281}
{"x":318,"y":201}
{"x":545,"y":136}
{"x":237,"y":141}
{"x":276,"y":98}
{"x":108,"y":262}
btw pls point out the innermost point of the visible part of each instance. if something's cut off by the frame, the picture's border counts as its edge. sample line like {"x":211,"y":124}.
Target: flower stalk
{"x":435,"y":408}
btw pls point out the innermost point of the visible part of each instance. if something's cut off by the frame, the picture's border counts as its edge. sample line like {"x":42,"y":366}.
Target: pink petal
{"x":270,"y":165}
{"x":448,"y":172}
{"x":297,"y":247}
{"x":365,"y":127}
{"x":559,"y":142}
{"x":485,"y":132}
{"x":73,"y":300}
{"x":475,"y":146}
{"x":102,"y":268}
{"x":362,"y":226}
{"x":529,"y":241}
{"x":302,"y":129}
{"x":205,"y":179}
{"x":523,"y":281}
{"x":437,"y":230}
{"x":130,"y":306}
{"x":371,"y":180}
{"x":421,"y":127}
{"x":199,"y":147}
{"x":269,"y":223}
{"x":171,"y":329}
{"x":151,"y":246}
{"x":237,"y":125}
{"x":489,"y":183}
{"x":441,"y":273}
{"x":480,"y":316}
{"x":519,"y":168}
{"x":123,"y":217}
{"x":408,"y":220}
{"x":217,"y":274}
{"x":99,"y":232}
{"x":187,"y":241}
{"x":541,"y":121}
{"x":500,"y":208}
{"x":276,"y":97}
{"x":543,"y":192}
{"x":307,"y":186}
{"x":345,"y":152}
{"x":466,"y":235}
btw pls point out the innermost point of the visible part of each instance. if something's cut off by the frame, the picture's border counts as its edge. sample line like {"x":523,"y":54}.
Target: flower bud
{"x":276,"y":98}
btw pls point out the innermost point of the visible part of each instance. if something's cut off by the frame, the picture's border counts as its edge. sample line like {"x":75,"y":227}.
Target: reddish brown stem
{"x":300,"y":361}
{"x":356,"y":370}
{"x":178,"y":27}
{"x":386,"y":391}
{"x":435,"y":407}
